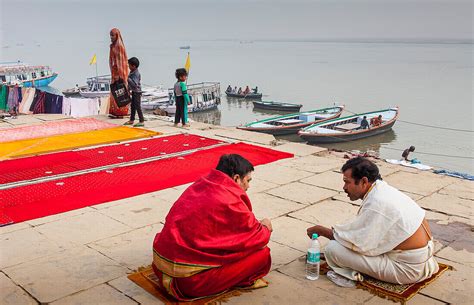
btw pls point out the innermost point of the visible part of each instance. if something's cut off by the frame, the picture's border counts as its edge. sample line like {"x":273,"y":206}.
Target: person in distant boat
{"x":182,"y":98}
{"x":211,"y":240}
{"x":389,"y":239}
{"x":240,"y":90}
{"x":255,"y":90}
{"x":118,"y":63}
{"x":247,"y":90}
{"x":406,"y":152}
{"x":134,"y":84}
{"x":364,"y":124}
{"x":377,"y":121}
{"x":229,"y":89}
{"x":235,"y":90}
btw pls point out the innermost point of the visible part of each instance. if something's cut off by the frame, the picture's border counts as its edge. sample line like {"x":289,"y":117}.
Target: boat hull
{"x":295,"y":108}
{"x":40,"y":82}
{"x":250,"y":96}
{"x":346,"y":137}
{"x":281,"y":131}
{"x":93,"y":94}
{"x":287,"y":130}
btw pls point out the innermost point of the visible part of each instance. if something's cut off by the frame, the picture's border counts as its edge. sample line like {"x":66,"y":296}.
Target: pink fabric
{"x":52,"y":128}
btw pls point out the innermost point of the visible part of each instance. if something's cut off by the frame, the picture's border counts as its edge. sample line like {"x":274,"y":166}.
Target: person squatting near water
{"x":389,"y":239}
{"x":211,"y":240}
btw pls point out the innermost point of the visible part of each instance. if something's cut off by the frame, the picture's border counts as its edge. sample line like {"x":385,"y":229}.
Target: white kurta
{"x":387,"y":217}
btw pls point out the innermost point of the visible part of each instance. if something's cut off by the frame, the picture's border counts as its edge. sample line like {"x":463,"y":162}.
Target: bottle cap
{"x":315,"y":235}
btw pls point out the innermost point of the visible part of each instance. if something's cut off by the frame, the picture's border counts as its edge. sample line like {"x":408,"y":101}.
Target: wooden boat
{"x":348,"y":128}
{"x":271,"y":105}
{"x":250,"y":96}
{"x":291,"y":123}
{"x":76,"y":91}
{"x":25,"y":74}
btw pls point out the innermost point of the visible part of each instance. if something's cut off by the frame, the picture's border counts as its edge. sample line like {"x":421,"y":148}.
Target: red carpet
{"x":48,"y":198}
{"x":70,"y":161}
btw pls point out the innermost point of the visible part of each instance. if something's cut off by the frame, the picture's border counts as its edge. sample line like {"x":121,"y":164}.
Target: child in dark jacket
{"x":134,"y":85}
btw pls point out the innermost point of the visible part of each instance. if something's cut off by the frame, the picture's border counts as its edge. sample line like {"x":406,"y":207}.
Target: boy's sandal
{"x":128,"y":123}
{"x":139,"y":125}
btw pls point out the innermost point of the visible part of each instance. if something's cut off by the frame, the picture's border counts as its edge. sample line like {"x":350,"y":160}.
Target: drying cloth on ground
{"x":396,"y":292}
{"x":69,"y":161}
{"x":454,"y":174}
{"x":52,"y":128}
{"x":53,"y":197}
{"x":37,"y":146}
{"x":409,"y":164}
{"x":147,"y":279}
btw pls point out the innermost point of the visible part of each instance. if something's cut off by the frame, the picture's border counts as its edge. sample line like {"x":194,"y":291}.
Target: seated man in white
{"x":389,"y":239}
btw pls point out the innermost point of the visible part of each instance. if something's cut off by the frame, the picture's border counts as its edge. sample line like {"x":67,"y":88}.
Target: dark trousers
{"x":136,"y":106}
{"x":179,"y":115}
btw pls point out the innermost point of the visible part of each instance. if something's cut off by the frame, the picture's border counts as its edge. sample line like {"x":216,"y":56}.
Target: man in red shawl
{"x":211,"y":240}
{"x":118,"y":63}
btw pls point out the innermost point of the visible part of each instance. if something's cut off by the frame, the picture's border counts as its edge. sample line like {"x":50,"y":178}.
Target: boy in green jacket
{"x":181,"y":98}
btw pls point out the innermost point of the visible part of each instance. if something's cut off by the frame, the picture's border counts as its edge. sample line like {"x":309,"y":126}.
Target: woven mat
{"x":399,"y":293}
{"x":146,"y":279}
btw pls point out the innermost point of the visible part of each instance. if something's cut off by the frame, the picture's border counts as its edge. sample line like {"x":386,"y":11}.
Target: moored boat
{"x":291,"y":123}
{"x":349,"y":128}
{"x":76,"y":91}
{"x":26,"y":75}
{"x":97,"y":86}
{"x":279,"y":106}
{"x":204,"y":96}
{"x":250,"y":96}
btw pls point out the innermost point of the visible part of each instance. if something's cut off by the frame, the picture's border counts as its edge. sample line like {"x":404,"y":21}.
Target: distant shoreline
{"x":375,"y":41}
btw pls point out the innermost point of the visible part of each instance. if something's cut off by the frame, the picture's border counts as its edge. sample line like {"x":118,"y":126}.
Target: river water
{"x":431,"y":80}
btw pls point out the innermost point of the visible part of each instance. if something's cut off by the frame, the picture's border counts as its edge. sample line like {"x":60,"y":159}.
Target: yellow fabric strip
{"x":22,"y":148}
{"x":176,"y":269}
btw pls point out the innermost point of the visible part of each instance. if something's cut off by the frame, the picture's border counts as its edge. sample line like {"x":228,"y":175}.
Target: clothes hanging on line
{"x":28,"y":96}
{"x":3,"y":97}
{"x":80,"y":107}
{"x":14,"y":98}
{"x":53,"y":103}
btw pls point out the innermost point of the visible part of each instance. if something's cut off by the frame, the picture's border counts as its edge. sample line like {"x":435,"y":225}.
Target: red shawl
{"x":118,"y":63}
{"x":210,"y":225}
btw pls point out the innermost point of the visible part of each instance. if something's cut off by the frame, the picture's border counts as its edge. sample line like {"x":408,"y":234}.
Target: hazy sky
{"x":237,"y":19}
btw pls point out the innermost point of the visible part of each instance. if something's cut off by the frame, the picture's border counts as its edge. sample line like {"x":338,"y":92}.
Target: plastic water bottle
{"x":313,"y":258}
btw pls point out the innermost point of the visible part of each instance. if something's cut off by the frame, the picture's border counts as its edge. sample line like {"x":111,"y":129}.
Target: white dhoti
{"x":396,"y":266}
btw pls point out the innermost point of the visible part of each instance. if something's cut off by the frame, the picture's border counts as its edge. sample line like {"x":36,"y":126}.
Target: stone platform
{"x":84,"y":256}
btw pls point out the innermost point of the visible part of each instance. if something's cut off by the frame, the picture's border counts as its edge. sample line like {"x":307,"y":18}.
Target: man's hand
{"x":321,"y":231}
{"x":267,"y":223}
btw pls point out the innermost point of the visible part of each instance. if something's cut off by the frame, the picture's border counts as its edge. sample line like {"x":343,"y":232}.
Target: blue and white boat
{"x":26,"y":75}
